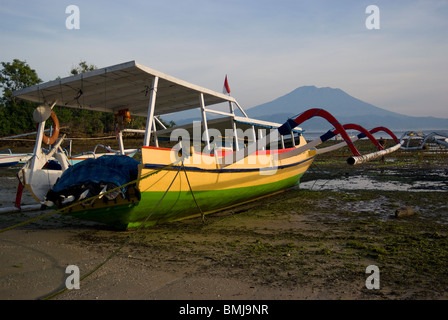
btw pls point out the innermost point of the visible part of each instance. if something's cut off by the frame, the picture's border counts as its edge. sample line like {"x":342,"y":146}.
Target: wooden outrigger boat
{"x":8,"y":159}
{"x":423,"y":140}
{"x":200,"y":174}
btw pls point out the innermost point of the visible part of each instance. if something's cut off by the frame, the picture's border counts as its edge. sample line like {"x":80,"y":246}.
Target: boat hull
{"x":178,"y":205}
{"x":169,"y":192}
{"x":12,"y":160}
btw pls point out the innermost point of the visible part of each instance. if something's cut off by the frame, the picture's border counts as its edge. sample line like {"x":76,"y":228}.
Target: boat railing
{"x":107,"y":148}
{"x":6,"y":150}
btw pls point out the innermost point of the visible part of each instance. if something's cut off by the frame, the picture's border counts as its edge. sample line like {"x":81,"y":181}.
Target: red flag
{"x":226,"y":88}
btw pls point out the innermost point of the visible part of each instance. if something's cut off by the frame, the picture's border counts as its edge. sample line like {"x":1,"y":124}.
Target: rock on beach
{"x":404,"y":212}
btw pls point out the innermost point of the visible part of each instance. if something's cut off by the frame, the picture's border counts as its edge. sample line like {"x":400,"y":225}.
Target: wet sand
{"x":302,"y":244}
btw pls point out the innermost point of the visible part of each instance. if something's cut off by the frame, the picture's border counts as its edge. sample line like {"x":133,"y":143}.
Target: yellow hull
{"x":206,"y":175}
{"x":200,"y":187}
{"x":169,"y":189}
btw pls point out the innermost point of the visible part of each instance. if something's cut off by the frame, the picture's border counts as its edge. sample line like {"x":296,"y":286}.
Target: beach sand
{"x":302,"y":244}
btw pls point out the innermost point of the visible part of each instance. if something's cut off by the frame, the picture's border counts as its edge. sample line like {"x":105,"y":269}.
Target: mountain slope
{"x":344,"y":107}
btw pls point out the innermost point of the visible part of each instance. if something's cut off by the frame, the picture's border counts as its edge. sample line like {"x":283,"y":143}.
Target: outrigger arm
{"x":339,"y":129}
{"x":31,"y":175}
{"x":39,"y":158}
{"x":285,"y":129}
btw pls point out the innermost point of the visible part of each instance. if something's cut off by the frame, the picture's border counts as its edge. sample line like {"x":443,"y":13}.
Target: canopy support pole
{"x":235,"y":133}
{"x":204,"y":121}
{"x":150,"y":118}
{"x":156,"y":140}
{"x":120,"y":142}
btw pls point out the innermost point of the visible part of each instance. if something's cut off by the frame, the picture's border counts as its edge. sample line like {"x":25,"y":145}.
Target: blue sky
{"x":267,"y":48}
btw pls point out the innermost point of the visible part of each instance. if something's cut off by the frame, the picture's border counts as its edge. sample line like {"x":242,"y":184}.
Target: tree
{"x":15,"y":76}
{"x":16,"y":115}
{"x":82,"y":67}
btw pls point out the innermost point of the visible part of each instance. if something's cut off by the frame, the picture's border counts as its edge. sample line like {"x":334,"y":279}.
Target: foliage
{"x":82,"y":67}
{"x":16,"y":115}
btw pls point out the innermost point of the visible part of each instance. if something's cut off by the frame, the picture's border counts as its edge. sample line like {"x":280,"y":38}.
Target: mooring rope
{"x":84,"y":200}
{"x":338,"y":173}
{"x":192,"y":193}
{"x":131,"y":237}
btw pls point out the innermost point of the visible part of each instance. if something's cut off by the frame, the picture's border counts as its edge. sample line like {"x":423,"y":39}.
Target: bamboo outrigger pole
{"x":339,"y":129}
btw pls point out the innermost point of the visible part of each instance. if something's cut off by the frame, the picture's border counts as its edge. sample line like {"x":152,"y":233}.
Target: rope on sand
{"x":113,"y":254}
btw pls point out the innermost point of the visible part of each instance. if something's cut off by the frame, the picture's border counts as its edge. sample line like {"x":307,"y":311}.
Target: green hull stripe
{"x":178,"y":204}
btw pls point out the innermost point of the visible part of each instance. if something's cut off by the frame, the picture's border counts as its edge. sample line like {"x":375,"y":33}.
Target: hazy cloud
{"x":267,"y":48}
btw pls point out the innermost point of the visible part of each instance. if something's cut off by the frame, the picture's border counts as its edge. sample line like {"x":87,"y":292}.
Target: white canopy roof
{"x":123,"y":86}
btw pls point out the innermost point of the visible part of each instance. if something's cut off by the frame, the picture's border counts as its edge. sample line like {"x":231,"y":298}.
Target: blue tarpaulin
{"x":115,"y":169}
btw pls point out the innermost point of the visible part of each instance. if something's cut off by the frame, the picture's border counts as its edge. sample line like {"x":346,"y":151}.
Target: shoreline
{"x":302,"y":244}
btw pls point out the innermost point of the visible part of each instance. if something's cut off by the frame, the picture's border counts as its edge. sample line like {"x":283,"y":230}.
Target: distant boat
{"x":214,"y":163}
{"x":9,"y":159}
{"x":94,"y":154}
{"x":423,"y":140}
